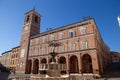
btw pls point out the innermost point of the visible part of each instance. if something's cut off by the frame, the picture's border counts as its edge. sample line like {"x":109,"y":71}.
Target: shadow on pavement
{"x":113,"y":71}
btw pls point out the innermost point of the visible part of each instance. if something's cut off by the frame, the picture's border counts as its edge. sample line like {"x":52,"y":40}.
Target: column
{"x":57,"y":59}
{"x":39,"y":67}
{"x":67,"y":62}
{"x":80,"y":63}
{"x":47,"y":59}
{"x":32,"y":66}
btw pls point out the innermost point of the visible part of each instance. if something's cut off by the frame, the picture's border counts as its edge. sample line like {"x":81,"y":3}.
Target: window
{"x":71,"y":34}
{"x":72,"y":47}
{"x":31,"y":42}
{"x":27,"y":18}
{"x":44,"y":40}
{"x":85,"y":45}
{"x":51,"y":49}
{"x":44,"y":51}
{"x":36,"y":51}
{"x":61,"y":35}
{"x":37,"y":40}
{"x":36,"y":19}
{"x":52,"y":37}
{"x":83,"y":30}
{"x":61,"y":48}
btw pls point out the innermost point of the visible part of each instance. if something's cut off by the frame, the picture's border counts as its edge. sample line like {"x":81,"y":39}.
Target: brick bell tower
{"x":30,"y":28}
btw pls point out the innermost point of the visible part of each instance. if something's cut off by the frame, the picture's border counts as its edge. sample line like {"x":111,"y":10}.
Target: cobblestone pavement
{"x":112,"y":74}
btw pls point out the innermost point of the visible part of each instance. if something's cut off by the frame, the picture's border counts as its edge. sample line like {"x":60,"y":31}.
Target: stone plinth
{"x":51,"y":78}
{"x":53,"y":69}
{"x":53,"y":66}
{"x":53,"y":73}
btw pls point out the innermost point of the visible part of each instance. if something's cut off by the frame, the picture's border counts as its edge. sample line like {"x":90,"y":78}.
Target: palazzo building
{"x":9,"y":58}
{"x":14,"y":58}
{"x":82,"y":49}
{"x":5,"y":59}
{"x":115,"y":56}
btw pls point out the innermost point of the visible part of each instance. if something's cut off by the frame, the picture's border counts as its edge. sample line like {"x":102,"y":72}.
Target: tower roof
{"x":33,"y":10}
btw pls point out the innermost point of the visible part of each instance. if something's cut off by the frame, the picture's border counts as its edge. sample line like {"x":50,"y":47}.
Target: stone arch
{"x":73,"y":64}
{"x":28,"y":18}
{"x":36,"y":19}
{"x":43,"y":61}
{"x":35,"y":66}
{"x":62,"y":60}
{"x":87,"y":64}
{"x":29,"y":66}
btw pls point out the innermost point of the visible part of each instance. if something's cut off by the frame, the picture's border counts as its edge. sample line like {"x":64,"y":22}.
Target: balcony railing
{"x":52,"y":66}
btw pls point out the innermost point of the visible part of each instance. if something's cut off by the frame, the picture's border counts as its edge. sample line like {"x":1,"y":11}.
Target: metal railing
{"x":52,"y":66}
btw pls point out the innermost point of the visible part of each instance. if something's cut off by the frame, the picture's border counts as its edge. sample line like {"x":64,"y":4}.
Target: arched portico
{"x":62,"y":60}
{"x":29,"y":69}
{"x":87,"y":64}
{"x":35,"y":66}
{"x":74,"y":64}
{"x":43,"y":61}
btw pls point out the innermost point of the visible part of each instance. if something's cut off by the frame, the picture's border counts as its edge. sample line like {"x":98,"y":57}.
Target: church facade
{"x":82,"y":49}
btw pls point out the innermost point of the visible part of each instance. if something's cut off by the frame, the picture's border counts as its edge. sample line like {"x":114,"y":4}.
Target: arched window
{"x":83,"y":30}
{"x":84,"y":44}
{"x":61,"y":48}
{"x":27,"y":18}
{"x":36,"y":19}
{"x":73,"y":47}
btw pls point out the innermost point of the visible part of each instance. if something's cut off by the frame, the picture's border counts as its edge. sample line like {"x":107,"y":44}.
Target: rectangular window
{"x":71,"y":34}
{"x":44,"y":40}
{"x":61,"y":48}
{"x":61,"y":35}
{"x":83,"y":30}
{"x":43,"y":51}
{"x":37,"y":40}
{"x":36,"y":51}
{"x":84,"y":45}
{"x":52,"y":37}
{"x":51,"y":49}
{"x":73,"y":47}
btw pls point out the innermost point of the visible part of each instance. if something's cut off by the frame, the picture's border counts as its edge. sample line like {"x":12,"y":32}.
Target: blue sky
{"x":57,"y":13}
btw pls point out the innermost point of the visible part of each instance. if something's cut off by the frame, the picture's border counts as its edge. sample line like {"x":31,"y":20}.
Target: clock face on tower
{"x":26,"y":28}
